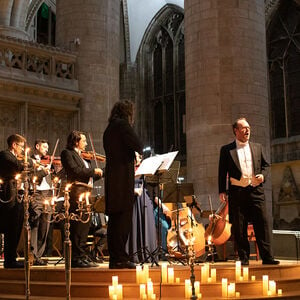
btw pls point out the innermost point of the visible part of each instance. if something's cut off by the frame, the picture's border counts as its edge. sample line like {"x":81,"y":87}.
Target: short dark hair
{"x":15,"y":138}
{"x":122,"y":110}
{"x":40,"y":141}
{"x":235,"y":124}
{"x":73,"y":138}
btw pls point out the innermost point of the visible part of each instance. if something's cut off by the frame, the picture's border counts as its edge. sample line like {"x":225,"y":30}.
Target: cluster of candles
{"x":228,"y":290}
{"x":269,"y":287}
{"x":115,"y":290}
{"x":188,"y":289}
{"x":146,"y":290}
{"x":208,"y":275}
{"x":238,"y":272}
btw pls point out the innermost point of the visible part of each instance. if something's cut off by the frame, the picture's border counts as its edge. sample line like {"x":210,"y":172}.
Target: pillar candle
{"x":171,"y":275}
{"x":253,"y":277}
{"x":279,"y":292}
{"x":231,"y":290}
{"x":272,"y":287}
{"x":111,"y":291}
{"x":164,"y":274}
{"x":186,"y":288}
{"x":224,"y":287}
{"x":245,"y":273}
{"x":177,"y":280}
{"x":146,"y":272}
{"x":114,"y":280}
{"x":142,"y":290}
{"x":237,"y":294}
{"x":237,"y":270}
{"x":197,"y":287}
{"x":138,"y":270}
{"x":265,"y":285}
{"x":119,"y":291}
{"x":149,"y":289}
{"x":213,"y":274}
{"x":199,"y":296}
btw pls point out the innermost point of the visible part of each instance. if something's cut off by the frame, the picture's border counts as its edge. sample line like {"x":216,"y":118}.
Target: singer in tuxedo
{"x":120,"y":143}
{"x":243,"y":168}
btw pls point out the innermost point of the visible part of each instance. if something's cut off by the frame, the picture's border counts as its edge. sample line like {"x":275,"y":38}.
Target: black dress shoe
{"x":245,"y":262}
{"x":14,"y":265}
{"x":122,"y":265}
{"x":89,"y":262}
{"x":271,"y":262}
{"x":39,"y":262}
{"x":79,"y":264}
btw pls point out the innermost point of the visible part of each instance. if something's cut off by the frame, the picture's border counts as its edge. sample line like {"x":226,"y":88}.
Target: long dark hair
{"x":122,"y":110}
{"x":73,"y":138}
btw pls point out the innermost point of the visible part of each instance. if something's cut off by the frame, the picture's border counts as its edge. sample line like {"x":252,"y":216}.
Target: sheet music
{"x":159,"y":163}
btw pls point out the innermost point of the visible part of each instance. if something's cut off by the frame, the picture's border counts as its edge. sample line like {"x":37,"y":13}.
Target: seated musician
{"x":78,"y":169}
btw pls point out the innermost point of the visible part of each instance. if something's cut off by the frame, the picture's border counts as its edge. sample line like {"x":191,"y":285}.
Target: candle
{"x":231,"y":290}
{"x":237,"y":270}
{"x":142,"y":290}
{"x":153,"y":297}
{"x":237,"y":294}
{"x":115,"y":297}
{"x":204,"y":273}
{"x":67,"y":188}
{"x":279,"y":292}
{"x":272,"y":287}
{"x":171,"y":275}
{"x":253,"y":277}
{"x":209,"y":280}
{"x":26,"y":154}
{"x":186,"y":288}
{"x":199,"y":296}
{"x":138,"y":270}
{"x":164,"y":274}
{"x":115,"y":280}
{"x":87,"y":202}
{"x":177,"y":280}
{"x":197,"y":287}
{"x":246,"y":273}
{"x":119,"y":291}
{"x":224,"y":287}
{"x":46,"y":204}
{"x":150,"y":289}
{"x":146,"y":273}
{"x":144,"y":297}
{"x":213,"y":274}
{"x":111,"y":291}
{"x":265,"y":284}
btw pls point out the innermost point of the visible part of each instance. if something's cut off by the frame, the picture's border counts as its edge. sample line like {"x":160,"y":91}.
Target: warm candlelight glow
{"x":253,"y":278}
{"x":68,"y":186}
{"x":26,"y":154}
{"x":164,"y":273}
{"x":171,"y":275}
{"x":142,"y":290}
{"x":53,"y":200}
{"x":187,"y":288}
{"x":237,"y":294}
{"x":279,"y":292}
{"x":81,"y":197}
{"x":224,"y":287}
{"x":272,"y":287}
{"x":231,"y":290}
{"x":237,"y":270}
{"x":213,"y":275}
{"x":245,"y":273}
{"x":265,"y":285}
{"x":197,"y":287}
{"x":18,"y":176}
{"x":138,"y":271}
{"x":114,"y":280}
{"x":177,"y":280}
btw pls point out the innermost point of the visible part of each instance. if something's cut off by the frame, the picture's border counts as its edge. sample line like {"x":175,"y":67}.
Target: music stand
{"x":175,"y":193}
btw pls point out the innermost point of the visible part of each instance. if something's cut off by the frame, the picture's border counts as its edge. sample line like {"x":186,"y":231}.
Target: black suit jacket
{"x":229,"y":163}
{"x":120,"y":142}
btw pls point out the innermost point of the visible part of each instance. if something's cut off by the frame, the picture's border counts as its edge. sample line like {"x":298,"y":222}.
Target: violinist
{"x":38,"y":218}
{"x":244,"y":166}
{"x":78,"y":169}
{"x":11,"y":207}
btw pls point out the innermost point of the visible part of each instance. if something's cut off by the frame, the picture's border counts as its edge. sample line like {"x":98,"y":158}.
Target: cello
{"x":219,"y":228}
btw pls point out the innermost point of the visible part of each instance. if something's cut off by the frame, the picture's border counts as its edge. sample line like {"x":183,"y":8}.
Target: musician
{"x":39,"y":219}
{"x":246,"y":167}
{"x":11,"y":206}
{"x":78,"y":169}
{"x":120,"y":143}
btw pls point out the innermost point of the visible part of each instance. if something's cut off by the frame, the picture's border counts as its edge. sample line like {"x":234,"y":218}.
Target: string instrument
{"x":90,"y":155}
{"x":186,"y":222}
{"x":219,"y":228}
{"x":46,"y":160}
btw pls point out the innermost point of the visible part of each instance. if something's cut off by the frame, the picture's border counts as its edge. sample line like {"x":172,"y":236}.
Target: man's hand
{"x":138,"y":191}
{"x":223,"y":197}
{"x":98,"y":171}
{"x":257,"y":179}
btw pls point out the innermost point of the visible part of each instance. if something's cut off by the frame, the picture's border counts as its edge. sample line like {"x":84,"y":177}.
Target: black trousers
{"x":11,"y":222}
{"x":119,"y":226}
{"x":248,"y":205}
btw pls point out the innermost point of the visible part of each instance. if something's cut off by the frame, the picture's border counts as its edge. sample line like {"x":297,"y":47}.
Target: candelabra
{"x":191,"y":259}
{"x":83,"y":214}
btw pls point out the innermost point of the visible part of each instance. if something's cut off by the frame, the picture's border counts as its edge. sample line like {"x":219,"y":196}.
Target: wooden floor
{"x":92,"y":283}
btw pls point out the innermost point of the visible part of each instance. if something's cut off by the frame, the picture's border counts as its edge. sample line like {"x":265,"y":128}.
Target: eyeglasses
{"x":20,"y":145}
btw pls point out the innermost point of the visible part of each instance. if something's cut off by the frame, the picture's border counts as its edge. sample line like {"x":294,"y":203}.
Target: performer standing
{"x":11,"y":208}
{"x":120,"y":143}
{"x":246,"y":167}
{"x":39,"y":219}
{"x":78,"y":169}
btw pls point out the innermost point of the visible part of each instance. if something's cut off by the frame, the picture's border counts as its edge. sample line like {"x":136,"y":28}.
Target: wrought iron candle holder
{"x":83,"y":214}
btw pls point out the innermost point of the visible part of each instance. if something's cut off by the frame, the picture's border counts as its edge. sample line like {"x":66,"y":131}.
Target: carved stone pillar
{"x":226,"y":78}
{"x":92,"y":29}
{"x":12,"y":18}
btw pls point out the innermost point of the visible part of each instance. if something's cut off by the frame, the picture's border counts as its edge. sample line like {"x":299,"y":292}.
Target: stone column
{"x":92,"y":29}
{"x":12,"y":18}
{"x":226,"y":78}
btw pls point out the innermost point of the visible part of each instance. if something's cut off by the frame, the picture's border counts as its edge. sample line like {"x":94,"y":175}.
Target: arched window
{"x":284,"y":70}
{"x":165,"y":84}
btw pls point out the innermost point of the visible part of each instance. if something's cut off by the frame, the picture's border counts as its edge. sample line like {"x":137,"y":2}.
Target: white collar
{"x":240,"y":144}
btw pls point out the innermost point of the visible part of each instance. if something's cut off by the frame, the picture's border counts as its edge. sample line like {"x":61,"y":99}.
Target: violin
{"x":219,"y":228}
{"x":55,"y":161}
{"x":91,"y":156}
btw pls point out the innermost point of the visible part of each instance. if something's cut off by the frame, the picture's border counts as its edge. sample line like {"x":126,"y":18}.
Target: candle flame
{"x":17,"y":177}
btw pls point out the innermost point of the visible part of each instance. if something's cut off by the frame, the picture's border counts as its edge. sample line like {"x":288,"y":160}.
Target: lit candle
{"x":153,"y":297}
{"x":119,"y":291}
{"x":231,"y":290}
{"x":164,"y":274}
{"x":111,"y":291}
{"x":171,"y":275}
{"x":26,"y":155}
{"x":186,"y":288}
{"x":146,"y":273}
{"x":142,"y":290}
{"x":144,"y":297}
{"x":115,"y":297}
{"x":67,"y":188}
{"x":87,"y":202}
{"x":197,"y":287}
{"x":272,"y":287}
{"x":279,"y":292}
{"x":246,"y":273}
{"x":138,"y":270}
{"x":253,"y":278}
{"x":199,"y":296}
{"x":46,"y":204}
{"x":213,"y":274}
{"x":237,"y":294}
{"x":115,"y":280}
{"x":209,"y":280}
{"x":265,"y":285}
{"x":177,"y":280}
{"x":150,"y":289}
{"x":237,"y":270}
{"x":34,"y":178}
{"x":224,"y":287}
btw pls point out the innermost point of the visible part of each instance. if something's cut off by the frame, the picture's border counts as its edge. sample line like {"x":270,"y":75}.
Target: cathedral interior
{"x":191,"y":68}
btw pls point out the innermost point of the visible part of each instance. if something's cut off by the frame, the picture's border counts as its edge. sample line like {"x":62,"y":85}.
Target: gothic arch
{"x":34,"y":7}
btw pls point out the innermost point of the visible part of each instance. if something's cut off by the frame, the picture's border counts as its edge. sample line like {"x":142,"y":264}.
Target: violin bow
{"x":93,"y":149}
{"x":53,"y":153}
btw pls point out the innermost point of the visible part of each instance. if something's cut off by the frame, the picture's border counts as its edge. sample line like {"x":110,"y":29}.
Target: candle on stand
{"x":81,"y":197}
{"x":26,"y":154}
{"x":224,"y":287}
{"x":265,"y":285}
{"x":245,"y":273}
{"x":46,"y":204}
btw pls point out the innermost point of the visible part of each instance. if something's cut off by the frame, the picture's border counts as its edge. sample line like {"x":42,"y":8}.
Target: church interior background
{"x":191,"y":67}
